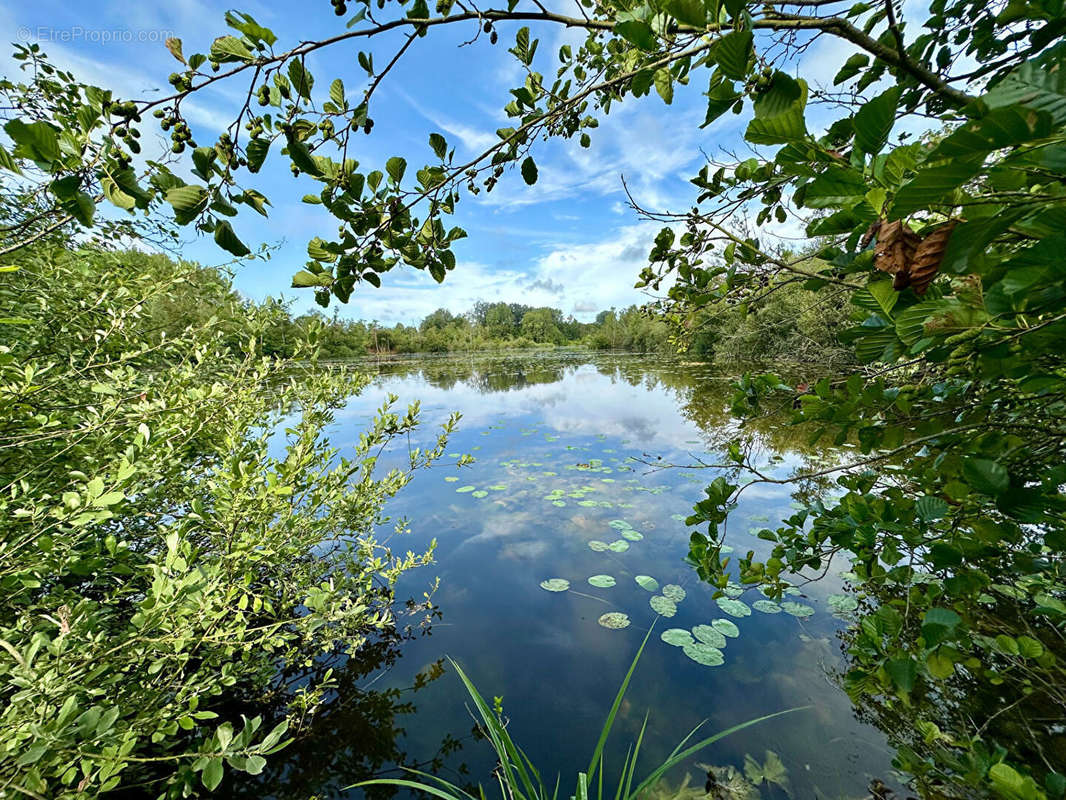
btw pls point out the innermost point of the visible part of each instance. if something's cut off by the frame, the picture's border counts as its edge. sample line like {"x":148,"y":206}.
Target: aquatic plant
{"x":519,"y":778}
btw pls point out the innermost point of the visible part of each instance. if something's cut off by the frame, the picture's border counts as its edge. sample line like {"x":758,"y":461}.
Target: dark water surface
{"x":558,"y":440}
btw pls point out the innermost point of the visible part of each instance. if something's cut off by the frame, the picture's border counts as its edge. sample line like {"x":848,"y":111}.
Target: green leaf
{"x":639,"y":33}
{"x":835,"y":188}
{"x":212,"y":774}
{"x":396,"y":167}
{"x":439,"y":144}
{"x":1000,"y":128}
{"x":188,"y":202}
{"x":226,"y":49}
{"x":873,"y":122}
{"x":930,"y":509}
{"x":987,"y":477}
{"x":851,"y":68}
{"x":733,"y":52}
{"x":36,"y":141}
{"x":256,"y":152}
{"x":529,"y":171}
{"x":304,"y":279}
{"x":301,"y":157}
{"x":783,"y":93}
{"x":664,"y":84}
{"x":228,"y":241}
{"x":903,"y":672}
{"x":336,"y":93}
{"x":689,"y":12}
{"x":302,"y":80}
{"x":933,"y":183}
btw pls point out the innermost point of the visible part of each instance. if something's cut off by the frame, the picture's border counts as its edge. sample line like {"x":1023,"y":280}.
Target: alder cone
{"x":896,"y":245}
{"x":928,"y":257}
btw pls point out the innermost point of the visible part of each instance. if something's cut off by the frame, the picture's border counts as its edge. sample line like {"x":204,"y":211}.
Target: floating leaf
{"x":704,"y":654}
{"x":614,"y":620}
{"x":451,"y":479}
{"x":766,"y":606}
{"x":678,"y":637}
{"x":598,"y":546}
{"x":842,"y":603}
{"x":480,"y":493}
{"x":734,"y":607}
{"x":619,"y":546}
{"x":555,"y":584}
{"x":499,"y":487}
{"x":632,"y":535}
{"x":726,"y":628}
{"x":733,"y":590}
{"x":602,"y":581}
{"x":619,"y":524}
{"x":465,"y":489}
{"x":663,"y":606}
{"x":796,"y":609}
{"x":558,"y":503}
{"x":647,"y":582}
{"x":674,"y":592}
{"x":709,"y":635}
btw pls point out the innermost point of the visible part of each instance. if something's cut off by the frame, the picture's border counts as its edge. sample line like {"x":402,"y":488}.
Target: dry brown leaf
{"x":871,"y":232}
{"x":896,"y":244}
{"x":928,"y":257}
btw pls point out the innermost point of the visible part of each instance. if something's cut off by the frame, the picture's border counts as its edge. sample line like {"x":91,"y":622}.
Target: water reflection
{"x":563,"y":443}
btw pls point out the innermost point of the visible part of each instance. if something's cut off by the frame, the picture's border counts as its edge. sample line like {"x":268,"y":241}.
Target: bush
{"x":163,"y":548}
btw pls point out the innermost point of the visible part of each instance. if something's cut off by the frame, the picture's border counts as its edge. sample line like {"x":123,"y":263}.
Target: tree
{"x":438,"y":320}
{"x":538,"y":324}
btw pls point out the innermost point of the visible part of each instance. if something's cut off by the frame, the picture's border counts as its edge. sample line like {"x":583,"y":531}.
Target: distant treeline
{"x":487,"y":326}
{"x":783,"y":326}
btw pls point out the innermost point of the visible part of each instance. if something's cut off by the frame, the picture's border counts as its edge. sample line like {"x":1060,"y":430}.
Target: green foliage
{"x":163,"y":550}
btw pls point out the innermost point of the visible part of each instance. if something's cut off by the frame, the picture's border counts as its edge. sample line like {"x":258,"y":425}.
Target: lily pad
{"x":678,"y":637}
{"x":796,"y":609}
{"x":842,"y":603}
{"x":733,"y":590}
{"x":479,"y":493}
{"x":766,"y":606}
{"x":726,"y":628}
{"x":499,"y":487}
{"x":451,"y":478}
{"x":734,"y":607}
{"x":555,"y":584}
{"x":465,"y":489}
{"x":618,"y":546}
{"x":708,"y":635}
{"x":558,"y":503}
{"x":704,"y":654}
{"x":663,"y":606}
{"x":632,"y":535}
{"x":602,"y":581}
{"x":674,"y":592}
{"x":598,"y":546}
{"x":647,"y":582}
{"x":615,"y":620}
{"x":678,"y":517}
{"x":619,"y":524}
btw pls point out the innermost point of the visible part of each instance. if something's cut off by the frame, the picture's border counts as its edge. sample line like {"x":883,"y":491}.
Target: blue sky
{"x":569,"y":242}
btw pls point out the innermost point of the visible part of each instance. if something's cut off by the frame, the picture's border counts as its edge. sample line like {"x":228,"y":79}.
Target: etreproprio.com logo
{"x":46,"y":33}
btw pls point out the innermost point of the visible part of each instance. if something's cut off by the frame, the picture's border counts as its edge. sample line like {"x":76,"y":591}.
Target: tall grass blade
{"x":598,"y":752}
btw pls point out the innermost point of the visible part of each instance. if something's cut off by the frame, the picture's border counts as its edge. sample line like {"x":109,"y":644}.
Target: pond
{"x":556,"y":550}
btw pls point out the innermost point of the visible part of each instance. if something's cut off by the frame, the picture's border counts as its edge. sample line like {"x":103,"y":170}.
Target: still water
{"x":566,"y":486}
